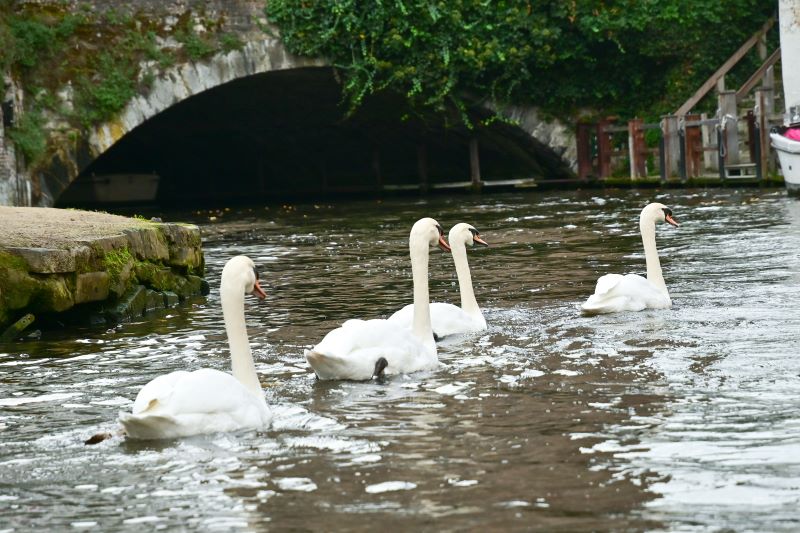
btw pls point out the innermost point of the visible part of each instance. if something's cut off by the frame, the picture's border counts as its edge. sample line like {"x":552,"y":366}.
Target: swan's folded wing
{"x":190,"y":403}
{"x":615,"y":293}
{"x":403,"y":317}
{"x":203,"y":391}
{"x":607,"y":283}
{"x":351,"y":351}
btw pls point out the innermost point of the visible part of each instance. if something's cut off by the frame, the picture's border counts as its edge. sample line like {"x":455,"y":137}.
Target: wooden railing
{"x":690,"y":145}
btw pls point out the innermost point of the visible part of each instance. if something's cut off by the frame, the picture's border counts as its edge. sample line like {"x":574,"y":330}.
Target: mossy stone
{"x":52,"y":294}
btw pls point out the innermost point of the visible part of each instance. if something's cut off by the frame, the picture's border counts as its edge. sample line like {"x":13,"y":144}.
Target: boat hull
{"x":789,"y":156}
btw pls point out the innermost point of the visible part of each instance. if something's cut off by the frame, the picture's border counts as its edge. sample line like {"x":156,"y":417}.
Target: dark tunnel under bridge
{"x":285,"y":134}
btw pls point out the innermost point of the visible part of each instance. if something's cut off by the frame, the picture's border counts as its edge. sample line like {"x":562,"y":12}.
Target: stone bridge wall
{"x":261,"y":53}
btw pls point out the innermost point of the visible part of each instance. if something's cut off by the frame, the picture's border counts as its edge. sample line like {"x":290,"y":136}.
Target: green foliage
{"x":230,"y":42}
{"x":35,"y":39}
{"x":626,"y":56}
{"x":101,"y":98}
{"x":115,"y":261}
{"x":29,"y":136}
{"x":195,"y":46}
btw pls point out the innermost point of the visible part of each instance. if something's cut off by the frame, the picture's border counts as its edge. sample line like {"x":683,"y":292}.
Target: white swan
{"x":633,"y":292}
{"x":448,"y":319}
{"x":361,"y":349}
{"x":182,"y":403}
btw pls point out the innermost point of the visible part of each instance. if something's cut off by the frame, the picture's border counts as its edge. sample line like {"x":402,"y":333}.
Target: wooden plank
{"x":727,"y":108}
{"x":474,"y":162}
{"x":721,"y":71}
{"x":422,"y":166}
{"x":671,"y":154}
{"x":758,"y":74}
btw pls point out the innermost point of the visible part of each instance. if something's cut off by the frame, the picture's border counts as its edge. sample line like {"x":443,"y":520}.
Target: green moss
{"x":156,"y":276}
{"x":230,"y":42}
{"x":29,"y":136}
{"x":100,"y":53}
{"x":16,"y":285}
{"x":115,"y":262}
{"x":52,"y":294}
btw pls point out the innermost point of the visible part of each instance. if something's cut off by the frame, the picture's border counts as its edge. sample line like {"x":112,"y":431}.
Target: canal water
{"x":684,"y":419}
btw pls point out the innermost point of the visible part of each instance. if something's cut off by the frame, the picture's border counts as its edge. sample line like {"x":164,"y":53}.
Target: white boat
{"x":789,"y":157}
{"x":789,"y":150}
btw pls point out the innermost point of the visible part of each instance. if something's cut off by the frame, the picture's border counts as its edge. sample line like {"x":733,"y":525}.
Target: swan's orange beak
{"x":671,"y":221}
{"x":258,"y":291}
{"x":477,"y":238}
{"x":443,"y":244}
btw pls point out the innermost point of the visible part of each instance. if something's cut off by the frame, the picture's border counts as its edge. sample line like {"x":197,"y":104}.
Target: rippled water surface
{"x":686,"y":419}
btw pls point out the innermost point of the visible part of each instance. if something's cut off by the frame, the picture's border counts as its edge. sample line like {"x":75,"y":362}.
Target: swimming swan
{"x":183,"y":403}
{"x":448,"y":319}
{"x":633,"y":292}
{"x":361,"y":349}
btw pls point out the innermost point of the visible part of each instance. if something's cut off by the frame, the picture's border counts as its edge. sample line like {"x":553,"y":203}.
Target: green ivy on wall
{"x":631,"y":57}
{"x":104,"y":58}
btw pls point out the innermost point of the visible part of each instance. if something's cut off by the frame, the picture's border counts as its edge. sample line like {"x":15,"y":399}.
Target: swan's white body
{"x":615,"y":293}
{"x":448,"y":319}
{"x":353,"y":350}
{"x":182,"y":403}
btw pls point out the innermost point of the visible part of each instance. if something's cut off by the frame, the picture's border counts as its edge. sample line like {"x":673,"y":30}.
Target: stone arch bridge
{"x":259,"y":122}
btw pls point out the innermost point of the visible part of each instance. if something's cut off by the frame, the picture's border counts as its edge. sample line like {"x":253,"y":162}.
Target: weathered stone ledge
{"x":93,"y":267}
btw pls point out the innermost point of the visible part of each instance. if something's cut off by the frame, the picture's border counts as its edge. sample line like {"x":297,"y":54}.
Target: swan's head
{"x":466,"y":234}
{"x":241,"y":274}
{"x":658,"y":213}
{"x":430,"y":231}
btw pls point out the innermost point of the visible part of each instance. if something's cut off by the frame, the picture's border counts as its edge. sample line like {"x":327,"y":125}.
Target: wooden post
{"x":751,"y":136}
{"x":728,"y":116}
{"x":765,"y":100}
{"x":637,"y":150}
{"x":709,"y":139}
{"x":422,"y":167}
{"x":474,"y":164}
{"x":603,"y":148}
{"x":672,"y":148}
{"x":584,"y":149}
{"x":376,"y":167}
{"x":694,"y":147}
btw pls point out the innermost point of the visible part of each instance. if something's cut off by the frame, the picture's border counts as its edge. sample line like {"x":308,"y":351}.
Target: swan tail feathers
{"x":149,"y":426}
{"x":380,"y":366}
{"x":97,"y":438}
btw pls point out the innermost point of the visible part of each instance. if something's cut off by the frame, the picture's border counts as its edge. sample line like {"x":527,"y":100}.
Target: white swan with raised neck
{"x":448,"y":319}
{"x":183,"y":403}
{"x":632,"y":292}
{"x":362,"y":349}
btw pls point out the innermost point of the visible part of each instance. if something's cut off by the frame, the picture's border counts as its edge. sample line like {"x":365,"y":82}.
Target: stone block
{"x":155,"y":276}
{"x":107,"y":244}
{"x":91,"y":287}
{"x":120,"y":281}
{"x":170,"y":299}
{"x":130,"y":306}
{"x":46,"y":260}
{"x":52,"y":294}
{"x":147,"y":243}
{"x":191,"y":258}
{"x":155,"y":300}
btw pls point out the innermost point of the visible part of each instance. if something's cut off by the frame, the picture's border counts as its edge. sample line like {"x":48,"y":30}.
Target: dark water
{"x":686,"y":419}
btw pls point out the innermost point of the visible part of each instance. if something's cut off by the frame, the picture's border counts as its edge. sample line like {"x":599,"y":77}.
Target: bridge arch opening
{"x":284,"y":134}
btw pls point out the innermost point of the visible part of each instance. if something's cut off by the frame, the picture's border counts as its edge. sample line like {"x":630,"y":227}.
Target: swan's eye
{"x":667,"y":211}
{"x":439,"y":227}
{"x":474,"y":232}
{"x":255,"y":271}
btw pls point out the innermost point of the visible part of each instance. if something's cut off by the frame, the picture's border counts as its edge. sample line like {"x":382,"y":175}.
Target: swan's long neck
{"x":421,"y":326}
{"x":241,"y":357}
{"x":654,"y":275}
{"x":468,"y":302}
